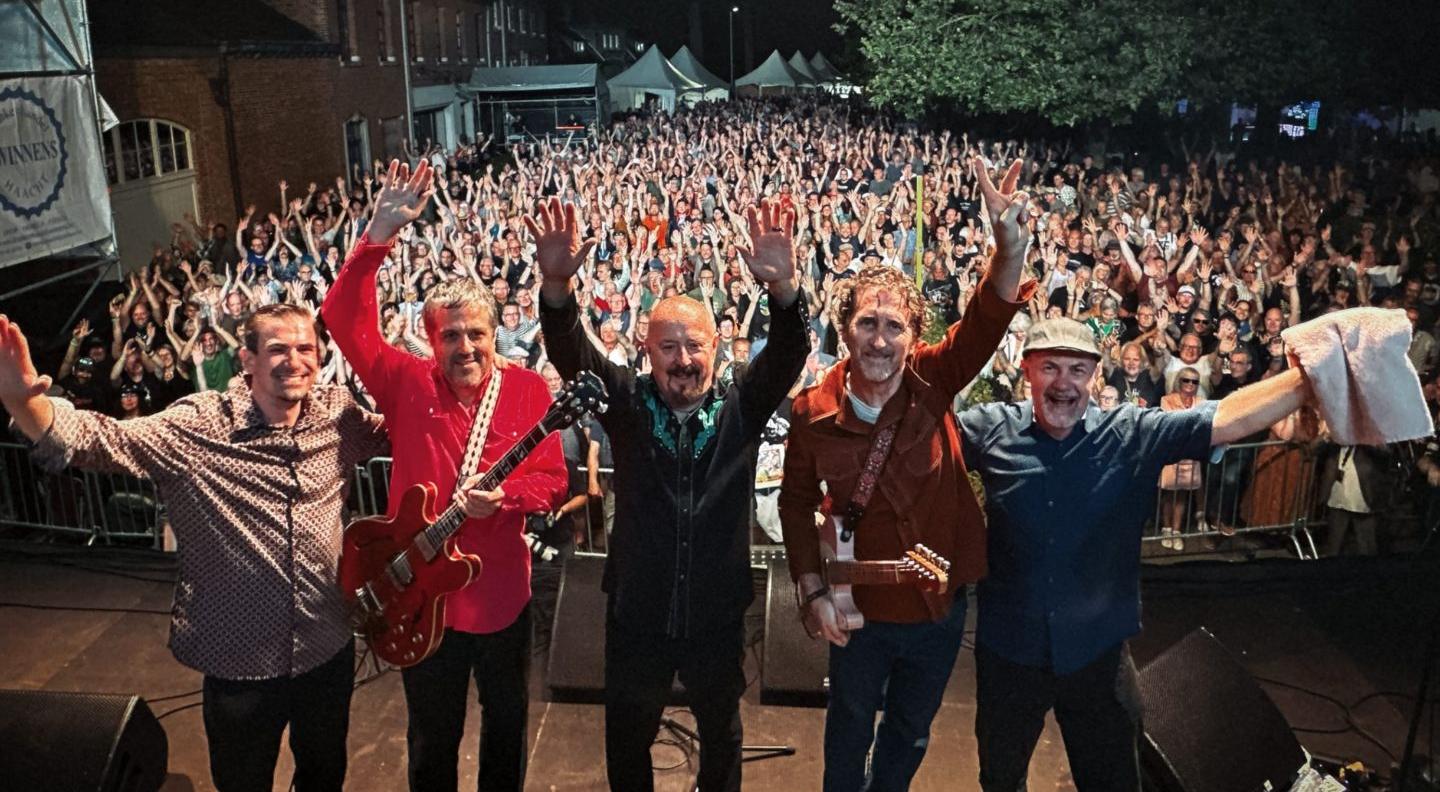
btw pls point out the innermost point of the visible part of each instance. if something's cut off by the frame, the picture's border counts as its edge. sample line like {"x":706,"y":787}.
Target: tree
{"x":1067,"y":62}
{"x":1075,"y":61}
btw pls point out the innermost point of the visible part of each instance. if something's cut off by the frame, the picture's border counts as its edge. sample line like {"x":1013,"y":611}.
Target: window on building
{"x":510,"y":18}
{"x":145,"y":149}
{"x":462,"y":47}
{"x":441,"y":47}
{"x":497,"y":14}
{"x":413,"y":28}
{"x":349,"y":44}
{"x":579,"y":46}
{"x":482,"y":36}
{"x":387,"y":40}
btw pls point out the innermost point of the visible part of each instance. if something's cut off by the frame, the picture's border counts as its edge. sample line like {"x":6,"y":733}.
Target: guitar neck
{"x":450,"y":521}
{"x":867,"y":573}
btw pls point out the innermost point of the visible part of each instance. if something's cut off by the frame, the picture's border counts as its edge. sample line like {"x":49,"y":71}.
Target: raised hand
{"x":19,"y":381}
{"x":1006,"y":206}
{"x":559,"y":251}
{"x":770,"y":256}
{"x":401,"y":201}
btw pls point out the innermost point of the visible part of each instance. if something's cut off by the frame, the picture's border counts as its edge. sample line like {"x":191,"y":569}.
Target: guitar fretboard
{"x":450,"y":521}
{"x":869,"y":573}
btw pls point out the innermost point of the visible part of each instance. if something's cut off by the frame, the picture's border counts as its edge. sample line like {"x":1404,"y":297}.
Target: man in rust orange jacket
{"x":901,"y":659}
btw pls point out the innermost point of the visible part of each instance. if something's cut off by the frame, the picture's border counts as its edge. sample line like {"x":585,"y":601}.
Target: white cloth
{"x":1345,"y":493}
{"x":1357,"y":362}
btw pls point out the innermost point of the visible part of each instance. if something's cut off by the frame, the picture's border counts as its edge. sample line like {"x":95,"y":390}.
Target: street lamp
{"x":733,"y":10}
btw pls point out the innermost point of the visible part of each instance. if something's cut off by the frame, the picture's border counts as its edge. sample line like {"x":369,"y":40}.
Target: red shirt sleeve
{"x":352,"y":315}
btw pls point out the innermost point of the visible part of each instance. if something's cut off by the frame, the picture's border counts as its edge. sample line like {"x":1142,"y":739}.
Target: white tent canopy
{"x":688,"y":65}
{"x":824,"y":69}
{"x":652,"y":76}
{"x":775,"y":73}
{"x":802,"y":67}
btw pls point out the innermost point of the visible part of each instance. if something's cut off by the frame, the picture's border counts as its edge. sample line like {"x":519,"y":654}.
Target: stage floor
{"x":1342,"y":629}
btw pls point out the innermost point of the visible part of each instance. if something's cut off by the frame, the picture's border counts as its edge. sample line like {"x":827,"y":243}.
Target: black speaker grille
{"x":1209,"y":727}
{"x":80,"y":741}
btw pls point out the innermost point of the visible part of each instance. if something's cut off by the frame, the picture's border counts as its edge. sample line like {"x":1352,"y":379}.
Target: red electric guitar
{"x":920,"y":566}
{"x":396,"y":571}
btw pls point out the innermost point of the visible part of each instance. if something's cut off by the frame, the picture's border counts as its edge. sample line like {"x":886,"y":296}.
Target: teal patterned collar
{"x":665,"y":428}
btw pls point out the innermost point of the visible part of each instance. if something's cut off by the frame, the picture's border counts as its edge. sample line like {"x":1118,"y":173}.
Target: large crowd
{"x":1187,"y":271}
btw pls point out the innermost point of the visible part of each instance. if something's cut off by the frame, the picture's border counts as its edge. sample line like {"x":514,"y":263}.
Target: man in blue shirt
{"x":1068,"y":488}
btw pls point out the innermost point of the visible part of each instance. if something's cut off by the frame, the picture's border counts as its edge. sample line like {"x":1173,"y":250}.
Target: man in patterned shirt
{"x":255,"y":478}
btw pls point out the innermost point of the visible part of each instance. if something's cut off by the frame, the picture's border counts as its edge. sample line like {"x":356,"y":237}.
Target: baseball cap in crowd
{"x":131,"y":388}
{"x":1064,"y":335}
{"x":85,"y":363}
{"x":1187,"y":289}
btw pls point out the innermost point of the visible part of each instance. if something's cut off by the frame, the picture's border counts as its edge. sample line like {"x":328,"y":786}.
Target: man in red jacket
{"x":896,"y":385}
{"x":430,"y":405}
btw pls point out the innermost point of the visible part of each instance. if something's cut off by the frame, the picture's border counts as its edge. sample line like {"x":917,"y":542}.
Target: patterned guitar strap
{"x":479,"y":430}
{"x":865,"y":487}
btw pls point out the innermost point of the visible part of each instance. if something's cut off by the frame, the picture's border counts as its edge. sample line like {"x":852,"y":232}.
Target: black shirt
{"x":679,"y":561}
{"x":943,"y":294}
{"x":1145,"y":391}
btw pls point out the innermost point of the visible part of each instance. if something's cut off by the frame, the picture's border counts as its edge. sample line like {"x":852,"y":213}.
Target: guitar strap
{"x":875,"y":460}
{"x":479,"y":431}
{"x":879,"y":451}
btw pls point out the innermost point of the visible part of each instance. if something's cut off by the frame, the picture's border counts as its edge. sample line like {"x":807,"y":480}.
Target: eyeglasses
{"x":1200,"y":320}
{"x":1189,"y":381}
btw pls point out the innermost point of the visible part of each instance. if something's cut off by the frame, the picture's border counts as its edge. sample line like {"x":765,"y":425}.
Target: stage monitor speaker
{"x":80,"y":742}
{"x":575,"y":670}
{"x":576,"y":667}
{"x":795,"y":667}
{"x":1208,"y":725}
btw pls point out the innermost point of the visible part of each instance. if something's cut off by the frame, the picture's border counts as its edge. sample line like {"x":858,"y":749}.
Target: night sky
{"x":784,"y":24}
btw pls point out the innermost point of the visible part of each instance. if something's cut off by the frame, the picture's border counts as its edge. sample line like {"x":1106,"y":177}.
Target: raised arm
{"x":1255,"y":408}
{"x":969,"y":343}
{"x":351,"y":310}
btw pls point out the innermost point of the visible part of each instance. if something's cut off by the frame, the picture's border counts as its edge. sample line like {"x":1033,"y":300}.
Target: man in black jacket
{"x":678,"y":572}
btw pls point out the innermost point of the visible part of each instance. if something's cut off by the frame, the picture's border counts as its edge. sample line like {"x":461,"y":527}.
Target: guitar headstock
{"x":926,"y":568}
{"x":585,"y":393}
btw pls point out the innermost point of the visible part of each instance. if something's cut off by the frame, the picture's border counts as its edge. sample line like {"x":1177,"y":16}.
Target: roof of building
{"x":180,"y":27}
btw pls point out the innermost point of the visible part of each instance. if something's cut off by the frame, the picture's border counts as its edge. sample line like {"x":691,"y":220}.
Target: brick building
{"x":220,"y":99}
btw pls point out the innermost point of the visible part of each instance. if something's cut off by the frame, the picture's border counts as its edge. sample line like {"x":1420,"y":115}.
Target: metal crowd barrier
{"x":1269,"y":488}
{"x":101,"y":507}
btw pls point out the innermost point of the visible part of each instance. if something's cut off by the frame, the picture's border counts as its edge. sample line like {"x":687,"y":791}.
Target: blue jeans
{"x":903,"y":667}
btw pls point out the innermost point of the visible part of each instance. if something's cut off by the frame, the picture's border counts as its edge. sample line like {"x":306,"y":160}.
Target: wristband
{"x":814,"y":595}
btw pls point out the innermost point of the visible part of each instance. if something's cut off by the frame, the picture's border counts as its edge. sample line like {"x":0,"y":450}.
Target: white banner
{"x":52,"y":180}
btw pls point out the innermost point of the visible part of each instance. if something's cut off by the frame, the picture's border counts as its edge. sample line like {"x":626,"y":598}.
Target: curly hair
{"x":879,"y":276}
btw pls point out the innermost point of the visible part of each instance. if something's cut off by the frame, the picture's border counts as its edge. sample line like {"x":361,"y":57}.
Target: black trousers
{"x":1097,"y":707}
{"x":435,"y":695}
{"x":639,"y":669}
{"x":245,"y":719}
